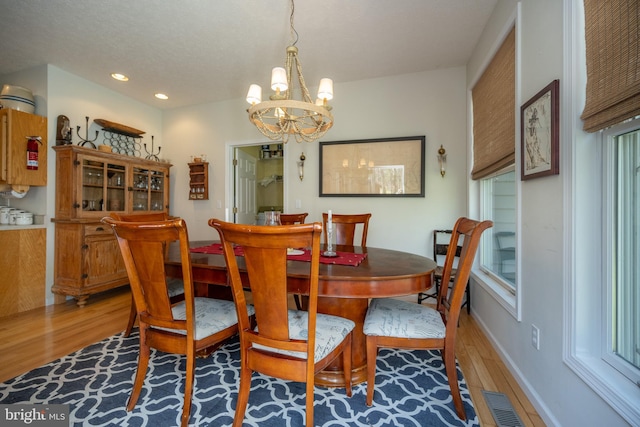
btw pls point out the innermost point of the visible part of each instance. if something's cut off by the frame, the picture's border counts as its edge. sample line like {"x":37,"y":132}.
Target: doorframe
{"x":230,"y":147}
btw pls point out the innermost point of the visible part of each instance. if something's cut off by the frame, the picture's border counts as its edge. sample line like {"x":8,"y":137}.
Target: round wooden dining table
{"x":343,"y":290}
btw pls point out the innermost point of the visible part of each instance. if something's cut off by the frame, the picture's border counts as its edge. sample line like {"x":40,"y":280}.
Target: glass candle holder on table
{"x":330,"y":252}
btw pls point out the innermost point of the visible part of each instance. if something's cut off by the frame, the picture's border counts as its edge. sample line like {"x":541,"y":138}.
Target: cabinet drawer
{"x":97,"y":229}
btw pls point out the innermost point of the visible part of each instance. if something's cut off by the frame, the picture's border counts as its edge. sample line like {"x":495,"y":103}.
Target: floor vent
{"x":502,"y":410}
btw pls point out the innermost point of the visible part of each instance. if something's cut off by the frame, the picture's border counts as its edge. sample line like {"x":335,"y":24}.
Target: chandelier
{"x":283,"y":116}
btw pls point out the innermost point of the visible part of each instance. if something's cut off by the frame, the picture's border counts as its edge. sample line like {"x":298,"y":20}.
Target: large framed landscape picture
{"x":389,"y":167}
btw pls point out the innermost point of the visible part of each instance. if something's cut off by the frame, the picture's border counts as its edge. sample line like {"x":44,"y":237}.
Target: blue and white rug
{"x":411,"y":390}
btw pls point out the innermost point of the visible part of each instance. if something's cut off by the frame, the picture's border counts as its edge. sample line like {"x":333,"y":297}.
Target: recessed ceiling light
{"x":120,"y":77}
{"x":161,"y":96}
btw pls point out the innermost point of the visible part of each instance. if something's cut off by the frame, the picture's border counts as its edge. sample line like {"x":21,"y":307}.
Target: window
{"x":498,"y":253}
{"x":493,"y":98}
{"x":602,"y":250}
{"x":622,"y":175}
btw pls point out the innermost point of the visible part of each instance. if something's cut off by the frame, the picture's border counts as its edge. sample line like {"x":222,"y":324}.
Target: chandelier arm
{"x":303,"y":86}
{"x":288,"y":66}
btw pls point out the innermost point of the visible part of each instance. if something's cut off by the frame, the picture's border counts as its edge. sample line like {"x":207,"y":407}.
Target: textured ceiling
{"x":199,"y":51}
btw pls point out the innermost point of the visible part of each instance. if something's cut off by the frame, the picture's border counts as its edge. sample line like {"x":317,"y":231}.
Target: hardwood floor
{"x":36,"y":337}
{"x":484,"y":370}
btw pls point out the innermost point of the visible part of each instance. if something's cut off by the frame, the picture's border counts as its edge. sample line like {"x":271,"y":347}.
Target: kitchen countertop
{"x":20,"y":227}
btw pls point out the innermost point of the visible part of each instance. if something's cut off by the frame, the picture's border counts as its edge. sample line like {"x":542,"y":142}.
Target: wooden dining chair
{"x":441,"y":242}
{"x":289,"y":344}
{"x":289,"y":219}
{"x":181,"y":328}
{"x":174,"y":285}
{"x":393,"y":323}
{"x":344,"y":227}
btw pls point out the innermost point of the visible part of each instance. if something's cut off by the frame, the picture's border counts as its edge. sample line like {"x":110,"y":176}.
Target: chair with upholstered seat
{"x":175,"y":286}
{"x":441,"y":242}
{"x":344,"y":227}
{"x":185,"y":327}
{"x":393,"y":323}
{"x":289,"y":344}
{"x":288,"y":219}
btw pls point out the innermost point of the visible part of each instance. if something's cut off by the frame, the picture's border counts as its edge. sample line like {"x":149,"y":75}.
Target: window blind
{"x":613,"y":67}
{"x":493,"y":98}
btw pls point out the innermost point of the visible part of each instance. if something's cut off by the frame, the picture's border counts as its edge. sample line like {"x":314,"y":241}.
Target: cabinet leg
{"x":81,"y":300}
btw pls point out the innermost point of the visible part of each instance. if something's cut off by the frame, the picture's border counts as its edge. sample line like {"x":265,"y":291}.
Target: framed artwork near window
{"x":539,"y":122}
{"x":387,"y":167}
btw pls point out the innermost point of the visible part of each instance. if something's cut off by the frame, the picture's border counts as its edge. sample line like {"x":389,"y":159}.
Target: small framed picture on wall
{"x":540,"y":135}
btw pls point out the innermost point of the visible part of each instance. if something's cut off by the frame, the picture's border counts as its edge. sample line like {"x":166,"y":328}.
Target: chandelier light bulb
{"x":325,"y":91}
{"x":279,"y":79}
{"x":254,"y":96}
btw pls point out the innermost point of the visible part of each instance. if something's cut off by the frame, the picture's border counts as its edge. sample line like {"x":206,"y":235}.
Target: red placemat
{"x":343,"y":258}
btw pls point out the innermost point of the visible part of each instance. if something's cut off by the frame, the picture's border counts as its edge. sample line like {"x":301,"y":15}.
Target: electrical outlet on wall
{"x":535,"y":337}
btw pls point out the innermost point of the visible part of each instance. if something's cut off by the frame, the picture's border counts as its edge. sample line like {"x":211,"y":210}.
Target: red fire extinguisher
{"x":32,"y":152}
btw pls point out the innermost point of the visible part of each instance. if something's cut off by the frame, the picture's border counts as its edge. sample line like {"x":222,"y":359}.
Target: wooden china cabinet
{"x":89,"y":185}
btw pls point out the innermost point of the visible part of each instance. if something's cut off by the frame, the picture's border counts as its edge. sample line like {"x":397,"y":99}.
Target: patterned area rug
{"x":411,"y":390}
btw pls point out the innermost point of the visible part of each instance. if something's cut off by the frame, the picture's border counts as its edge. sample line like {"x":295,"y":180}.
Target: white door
{"x":245,"y":187}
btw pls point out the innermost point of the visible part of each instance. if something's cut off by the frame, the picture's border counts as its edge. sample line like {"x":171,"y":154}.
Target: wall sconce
{"x":301,"y":166}
{"x":442,"y":160}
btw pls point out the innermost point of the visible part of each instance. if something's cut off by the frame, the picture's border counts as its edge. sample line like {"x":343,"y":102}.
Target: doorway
{"x":258,"y":181}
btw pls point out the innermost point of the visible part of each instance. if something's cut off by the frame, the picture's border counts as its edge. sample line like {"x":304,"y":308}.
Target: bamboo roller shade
{"x":494,"y":113}
{"x":612,"y":55}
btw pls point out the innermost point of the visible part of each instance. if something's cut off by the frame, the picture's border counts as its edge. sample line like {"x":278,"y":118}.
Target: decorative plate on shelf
{"x":118,"y":128}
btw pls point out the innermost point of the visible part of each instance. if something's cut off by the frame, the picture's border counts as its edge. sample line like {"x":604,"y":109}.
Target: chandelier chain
{"x":294,"y":33}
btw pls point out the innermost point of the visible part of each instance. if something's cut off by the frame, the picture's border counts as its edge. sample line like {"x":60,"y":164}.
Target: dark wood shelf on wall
{"x":199,"y":181}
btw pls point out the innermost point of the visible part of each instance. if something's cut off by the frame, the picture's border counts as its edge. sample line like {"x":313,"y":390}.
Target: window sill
{"x":498,"y":291}
{"x":615,"y":389}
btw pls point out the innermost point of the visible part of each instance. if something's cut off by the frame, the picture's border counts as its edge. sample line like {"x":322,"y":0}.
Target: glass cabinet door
{"x":92,"y":188}
{"x":102,"y":186}
{"x":148,"y":189}
{"x":116,"y":179}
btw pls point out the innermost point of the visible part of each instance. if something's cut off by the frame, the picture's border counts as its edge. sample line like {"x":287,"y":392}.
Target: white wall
{"x":558,"y":394}
{"x":430,"y":103}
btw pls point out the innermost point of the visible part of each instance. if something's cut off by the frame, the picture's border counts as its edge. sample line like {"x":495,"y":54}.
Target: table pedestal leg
{"x":354,"y":309}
